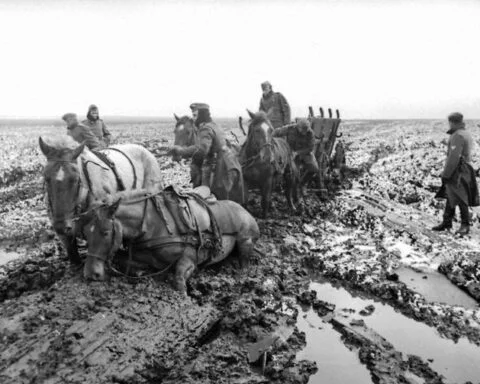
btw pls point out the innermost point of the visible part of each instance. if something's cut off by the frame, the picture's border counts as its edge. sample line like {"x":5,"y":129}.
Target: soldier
{"x":79,"y":132}
{"x":275,"y":106}
{"x":300,"y":137}
{"x":213,"y":163}
{"x":97,"y":125}
{"x":459,"y":185}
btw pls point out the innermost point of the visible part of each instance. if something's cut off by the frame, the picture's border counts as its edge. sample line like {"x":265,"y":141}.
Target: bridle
{"x":257,"y":149}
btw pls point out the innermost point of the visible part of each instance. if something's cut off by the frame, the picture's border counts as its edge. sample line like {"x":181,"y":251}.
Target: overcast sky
{"x":377,"y":59}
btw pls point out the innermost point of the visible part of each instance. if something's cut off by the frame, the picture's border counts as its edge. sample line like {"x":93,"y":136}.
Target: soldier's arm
{"x":285,"y":107}
{"x":454,"y":157}
{"x":107,"y":136}
{"x":261,"y":107}
{"x":200,"y":150}
{"x":89,"y":137}
{"x":310,"y":144}
{"x":279,"y":132}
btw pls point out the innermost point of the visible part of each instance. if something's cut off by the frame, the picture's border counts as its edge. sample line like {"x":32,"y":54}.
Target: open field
{"x":356,"y":289}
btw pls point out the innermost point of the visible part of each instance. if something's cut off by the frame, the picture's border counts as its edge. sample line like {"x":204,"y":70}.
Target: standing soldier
{"x":300,"y":137}
{"x":79,"y":132}
{"x":213,"y":163}
{"x":459,"y":185}
{"x":275,"y":106}
{"x":97,"y":125}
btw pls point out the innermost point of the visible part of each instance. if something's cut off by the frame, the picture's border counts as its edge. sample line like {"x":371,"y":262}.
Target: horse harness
{"x":197,"y":239}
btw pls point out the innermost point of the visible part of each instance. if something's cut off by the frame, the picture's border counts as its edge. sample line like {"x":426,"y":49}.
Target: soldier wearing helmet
{"x":97,"y":125}
{"x":213,"y":163}
{"x":300,"y":137}
{"x":459,"y":185}
{"x":275,"y":105}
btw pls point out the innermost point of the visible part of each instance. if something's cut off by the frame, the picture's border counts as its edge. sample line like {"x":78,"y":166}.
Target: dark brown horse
{"x":265,"y":159}
{"x":186,"y":135}
{"x":74,"y":176}
{"x":161,"y":239}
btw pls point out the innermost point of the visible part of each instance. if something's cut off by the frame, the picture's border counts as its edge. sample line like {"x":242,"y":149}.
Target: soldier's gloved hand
{"x":175,"y":150}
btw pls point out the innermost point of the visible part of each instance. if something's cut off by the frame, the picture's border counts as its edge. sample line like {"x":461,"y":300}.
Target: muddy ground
{"x":348,"y":290}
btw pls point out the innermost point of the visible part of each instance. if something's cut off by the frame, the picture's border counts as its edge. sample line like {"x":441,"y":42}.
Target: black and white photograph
{"x":239,"y":192}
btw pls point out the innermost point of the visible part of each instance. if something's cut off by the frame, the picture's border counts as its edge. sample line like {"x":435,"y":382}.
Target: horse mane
{"x":61,"y":142}
{"x":183,"y":120}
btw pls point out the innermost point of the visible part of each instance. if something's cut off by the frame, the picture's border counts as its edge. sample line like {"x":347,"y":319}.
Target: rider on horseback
{"x":300,"y":137}
{"x":79,"y":132}
{"x":211,"y":157}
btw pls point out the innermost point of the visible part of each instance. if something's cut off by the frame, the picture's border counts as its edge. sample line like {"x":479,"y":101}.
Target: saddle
{"x":177,"y":202}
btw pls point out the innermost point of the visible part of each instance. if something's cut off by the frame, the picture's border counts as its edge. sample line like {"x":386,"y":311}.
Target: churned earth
{"x":355,"y":289}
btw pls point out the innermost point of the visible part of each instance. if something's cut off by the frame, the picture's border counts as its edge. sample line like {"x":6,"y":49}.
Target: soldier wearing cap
{"x":79,"y":132}
{"x":274,"y":105}
{"x":459,"y":185}
{"x":300,"y":137}
{"x":213,"y":163}
{"x":97,"y":125}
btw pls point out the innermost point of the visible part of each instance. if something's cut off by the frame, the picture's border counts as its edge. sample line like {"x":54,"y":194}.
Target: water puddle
{"x":6,"y":256}
{"x":336,"y":363}
{"x":435,"y":287}
{"x":458,"y":362}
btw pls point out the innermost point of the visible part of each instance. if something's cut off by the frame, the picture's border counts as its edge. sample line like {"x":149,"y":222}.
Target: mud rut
{"x":235,"y":326}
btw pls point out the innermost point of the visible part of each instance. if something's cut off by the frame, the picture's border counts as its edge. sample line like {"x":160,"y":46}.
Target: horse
{"x":154,"y":226}
{"x":74,"y":176}
{"x":265,"y":158}
{"x":186,"y":135}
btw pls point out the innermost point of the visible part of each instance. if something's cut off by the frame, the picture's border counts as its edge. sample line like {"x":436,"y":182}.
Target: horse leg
{"x":245,"y":249}
{"x":290,"y":186}
{"x":70,"y":244}
{"x":266,"y":195}
{"x":183,"y":270}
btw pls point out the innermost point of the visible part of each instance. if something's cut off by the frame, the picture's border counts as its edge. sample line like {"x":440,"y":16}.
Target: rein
{"x":252,"y":159}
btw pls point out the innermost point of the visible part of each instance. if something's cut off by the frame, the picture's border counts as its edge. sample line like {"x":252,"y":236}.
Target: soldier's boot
{"x":447,"y":219}
{"x":465,"y":216}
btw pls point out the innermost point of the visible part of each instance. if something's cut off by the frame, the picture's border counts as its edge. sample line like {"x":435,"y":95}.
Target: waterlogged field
{"x":356,"y":289}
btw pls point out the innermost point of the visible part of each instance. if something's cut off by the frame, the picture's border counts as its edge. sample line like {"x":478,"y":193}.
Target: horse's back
{"x":232,"y":218}
{"x":136,"y":165}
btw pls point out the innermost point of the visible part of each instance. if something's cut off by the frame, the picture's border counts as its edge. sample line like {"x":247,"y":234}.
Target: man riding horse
{"x":300,"y":137}
{"x":213,"y":163}
{"x":80,"y":132}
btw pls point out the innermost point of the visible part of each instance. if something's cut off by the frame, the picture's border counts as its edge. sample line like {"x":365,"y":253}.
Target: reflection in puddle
{"x":458,"y":362}
{"x":335,"y":362}
{"x":435,"y":288}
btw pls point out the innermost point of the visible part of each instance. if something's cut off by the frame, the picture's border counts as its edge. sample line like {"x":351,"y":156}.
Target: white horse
{"x":74,"y":176}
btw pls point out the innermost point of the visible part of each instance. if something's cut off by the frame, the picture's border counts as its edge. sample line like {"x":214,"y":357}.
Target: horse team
{"x":122,"y":202}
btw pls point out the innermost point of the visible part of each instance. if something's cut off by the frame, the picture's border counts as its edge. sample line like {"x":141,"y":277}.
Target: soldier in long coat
{"x":97,"y":125}
{"x":80,"y":132}
{"x":213,"y":162}
{"x":301,"y":139}
{"x":459,"y":185}
{"x":275,"y":105}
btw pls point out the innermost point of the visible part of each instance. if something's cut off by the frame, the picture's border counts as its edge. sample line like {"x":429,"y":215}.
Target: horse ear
{"x":77,"y":151}
{"x":251,"y":114}
{"x":45,"y":148}
{"x":176,"y":117}
{"x":113,"y":208}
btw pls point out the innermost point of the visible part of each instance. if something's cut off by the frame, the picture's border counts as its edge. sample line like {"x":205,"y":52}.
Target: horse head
{"x":260,"y":136}
{"x":62,"y":181}
{"x":185,"y":133}
{"x":104,"y":236}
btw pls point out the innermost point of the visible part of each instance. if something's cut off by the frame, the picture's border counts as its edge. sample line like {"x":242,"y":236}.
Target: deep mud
{"x":358,"y":321}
